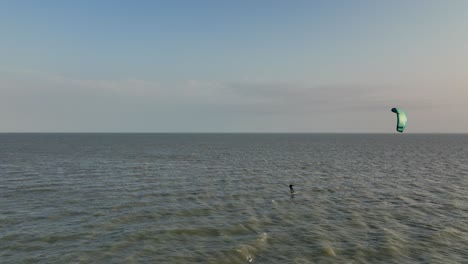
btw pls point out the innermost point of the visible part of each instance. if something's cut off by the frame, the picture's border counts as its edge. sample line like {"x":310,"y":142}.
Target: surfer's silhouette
{"x":291,"y":188}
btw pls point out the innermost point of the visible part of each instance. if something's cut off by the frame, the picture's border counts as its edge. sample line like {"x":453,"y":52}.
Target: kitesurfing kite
{"x":401,"y":119}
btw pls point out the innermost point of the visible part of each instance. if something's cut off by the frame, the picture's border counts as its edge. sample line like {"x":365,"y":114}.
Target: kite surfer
{"x":291,"y":188}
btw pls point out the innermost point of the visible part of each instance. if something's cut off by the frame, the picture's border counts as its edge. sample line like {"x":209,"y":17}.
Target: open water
{"x":224,"y":198}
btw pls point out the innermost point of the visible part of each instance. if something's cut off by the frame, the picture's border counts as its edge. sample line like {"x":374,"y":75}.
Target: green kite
{"x":401,"y":119}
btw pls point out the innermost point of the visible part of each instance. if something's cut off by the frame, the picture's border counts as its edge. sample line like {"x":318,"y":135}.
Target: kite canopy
{"x":401,"y":119}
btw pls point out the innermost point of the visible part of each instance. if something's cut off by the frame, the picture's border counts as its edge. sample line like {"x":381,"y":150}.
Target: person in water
{"x":291,"y":188}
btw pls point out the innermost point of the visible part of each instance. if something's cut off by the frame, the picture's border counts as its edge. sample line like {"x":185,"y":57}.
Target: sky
{"x":233,"y":66}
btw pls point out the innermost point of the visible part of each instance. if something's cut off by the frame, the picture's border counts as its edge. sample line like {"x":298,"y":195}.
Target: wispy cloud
{"x":49,"y":100}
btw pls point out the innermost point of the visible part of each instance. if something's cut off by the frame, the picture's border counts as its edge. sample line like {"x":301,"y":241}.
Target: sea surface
{"x":224,"y":198}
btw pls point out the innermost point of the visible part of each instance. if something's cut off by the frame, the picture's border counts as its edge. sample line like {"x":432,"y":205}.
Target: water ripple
{"x":222,"y":198}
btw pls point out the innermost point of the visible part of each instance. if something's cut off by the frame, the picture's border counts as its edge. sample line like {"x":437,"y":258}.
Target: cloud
{"x":31,"y":81}
{"x":34,"y":101}
{"x":264,"y":97}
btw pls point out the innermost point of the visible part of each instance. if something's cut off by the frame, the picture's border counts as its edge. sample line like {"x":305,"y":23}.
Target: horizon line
{"x":245,"y":132}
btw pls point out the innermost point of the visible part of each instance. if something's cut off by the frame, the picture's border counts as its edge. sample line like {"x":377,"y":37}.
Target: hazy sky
{"x":233,"y":66}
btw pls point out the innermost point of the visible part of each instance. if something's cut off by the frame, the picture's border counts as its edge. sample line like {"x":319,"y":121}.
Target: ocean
{"x":224,"y":198}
